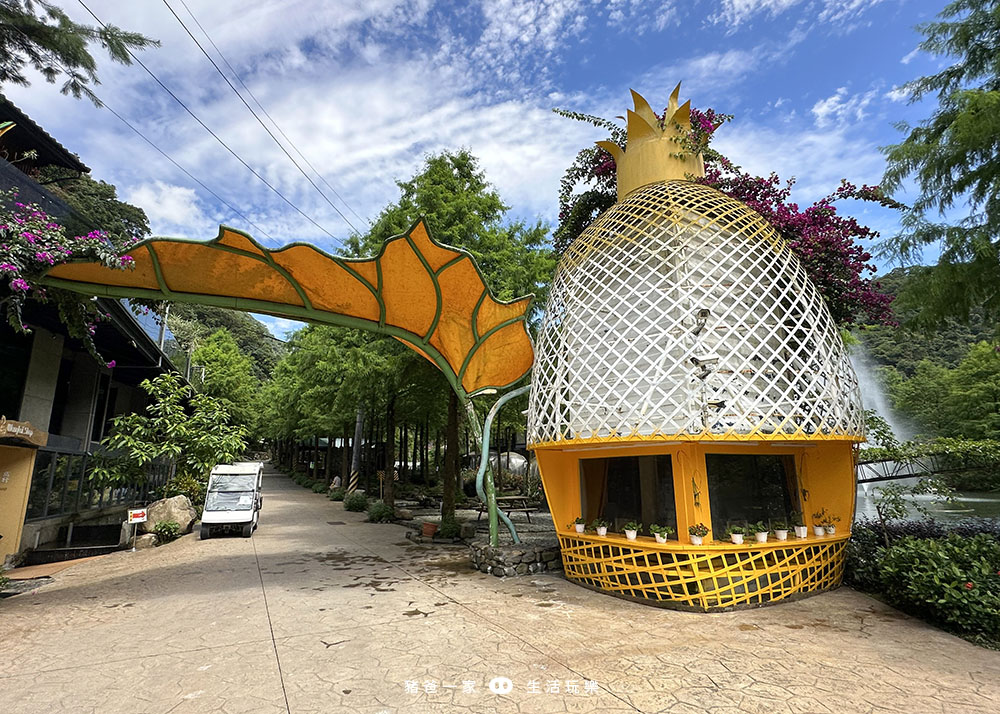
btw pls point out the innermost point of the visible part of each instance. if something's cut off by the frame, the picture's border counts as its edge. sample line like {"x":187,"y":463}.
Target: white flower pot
{"x":781,"y":534}
{"x":761,"y":537}
{"x":631,"y":534}
{"x":801,"y":532}
{"x":819,"y":531}
{"x":696,"y":540}
{"x":660,"y":538}
{"x":737,"y":538}
{"x":580,"y":527}
{"x":602,"y":530}
{"x":830,"y":530}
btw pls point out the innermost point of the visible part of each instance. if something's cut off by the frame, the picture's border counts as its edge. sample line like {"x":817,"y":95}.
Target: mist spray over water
{"x":873,"y":395}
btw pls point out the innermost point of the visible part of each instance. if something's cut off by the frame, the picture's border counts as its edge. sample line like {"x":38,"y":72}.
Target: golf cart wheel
{"x":205,"y":533}
{"x":247,"y":530}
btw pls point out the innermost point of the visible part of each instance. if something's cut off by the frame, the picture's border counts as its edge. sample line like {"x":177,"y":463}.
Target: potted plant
{"x":819,"y":519}
{"x":579,"y":524}
{"x":824,"y":522}
{"x":736,"y":534}
{"x":698,"y":533}
{"x":780,"y":529}
{"x":760,"y":531}
{"x":799,"y":524}
{"x":600,"y":525}
{"x":661,"y":532}
{"x":632,"y":529}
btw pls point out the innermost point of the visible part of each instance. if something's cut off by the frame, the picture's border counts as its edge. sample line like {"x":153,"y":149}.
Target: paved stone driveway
{"x":320,"y":612}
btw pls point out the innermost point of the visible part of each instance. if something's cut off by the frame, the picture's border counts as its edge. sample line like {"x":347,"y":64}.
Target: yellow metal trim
{"x":799,"y":438}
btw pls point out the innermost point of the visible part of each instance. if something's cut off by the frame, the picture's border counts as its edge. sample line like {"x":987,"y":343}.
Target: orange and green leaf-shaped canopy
{"x":428,"y":295}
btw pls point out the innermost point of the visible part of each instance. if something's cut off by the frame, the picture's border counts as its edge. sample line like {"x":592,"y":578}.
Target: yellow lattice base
{"x":711,"y":577}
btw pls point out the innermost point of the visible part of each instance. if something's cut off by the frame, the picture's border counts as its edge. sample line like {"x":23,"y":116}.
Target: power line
{"x":167,"y":156}
{"x":216,"y":136}
{"x":261,"y":107}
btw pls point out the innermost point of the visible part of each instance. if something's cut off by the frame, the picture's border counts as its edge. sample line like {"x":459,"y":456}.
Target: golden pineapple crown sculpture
{"x":655,"y":149}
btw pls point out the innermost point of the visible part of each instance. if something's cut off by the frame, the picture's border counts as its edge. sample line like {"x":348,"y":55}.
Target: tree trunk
{"x":451,"y":460}
{"x":345,"y":463}
{"x":359,"y":426}
{"x":328,"y":461}
{"x":424,"y":466}
{"x":437,"y":453}
{"x":315,"y":459}
{"x":388,"y":485}
{"x":295,"y":454}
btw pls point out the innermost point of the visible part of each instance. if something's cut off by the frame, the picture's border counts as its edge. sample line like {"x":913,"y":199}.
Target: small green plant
{"x":736,"y":530}
{"x":780,"y":525}
{"x":356,"y":502}
{"x":662,"y":531}
{"x":4,"y":580}
{"x":380,"y":512}
{"x":822,"y":517}
{"x":186,"y":485}
{"x":632,"y":526}
{"x":758,"y":527}
{"x":700,"y":530}
{"x":167,"y":531}
{"x":450,"y":528}
{"x":318,"y":487}
{"x":580,"y":520}
{"x":797,"y":519}
{"x":599,"y":523}
{"x":336,"y":494}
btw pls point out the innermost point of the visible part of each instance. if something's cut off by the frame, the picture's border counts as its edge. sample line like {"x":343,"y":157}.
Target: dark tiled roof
{"x":29,"y":135}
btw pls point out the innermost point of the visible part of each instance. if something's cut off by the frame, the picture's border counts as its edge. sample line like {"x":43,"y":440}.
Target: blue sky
{"x":366,"y":89}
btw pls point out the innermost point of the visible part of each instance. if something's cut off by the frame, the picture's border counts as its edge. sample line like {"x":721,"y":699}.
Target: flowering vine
{"x":32,"y":242}
{"x":826,"y":242}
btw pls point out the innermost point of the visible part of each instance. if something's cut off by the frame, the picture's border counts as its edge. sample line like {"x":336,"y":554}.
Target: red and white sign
{"x":137,"y":515}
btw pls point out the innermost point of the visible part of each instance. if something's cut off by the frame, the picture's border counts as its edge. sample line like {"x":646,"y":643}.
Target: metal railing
{"x":63,"y":483}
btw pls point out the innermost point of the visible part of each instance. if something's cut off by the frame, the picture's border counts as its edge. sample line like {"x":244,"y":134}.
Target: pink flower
{"x":19,"y":284}
{"x":111,"y":364}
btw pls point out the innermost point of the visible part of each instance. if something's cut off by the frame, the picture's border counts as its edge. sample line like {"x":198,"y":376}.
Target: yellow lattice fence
{"x":708,"y":577}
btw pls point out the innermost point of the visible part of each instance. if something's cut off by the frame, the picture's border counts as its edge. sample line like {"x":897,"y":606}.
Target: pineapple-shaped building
{"x":688,"y":373}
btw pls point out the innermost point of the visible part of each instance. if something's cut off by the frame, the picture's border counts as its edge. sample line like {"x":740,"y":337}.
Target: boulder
{"x":404,"y":514}
{"x":145,"y":541}
{"x":177,"y":509}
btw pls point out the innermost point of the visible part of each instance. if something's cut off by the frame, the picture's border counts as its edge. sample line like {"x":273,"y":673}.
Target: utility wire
{"x":266,"y":113}
{"x":167,"y":156}
{"x":216,"y":136}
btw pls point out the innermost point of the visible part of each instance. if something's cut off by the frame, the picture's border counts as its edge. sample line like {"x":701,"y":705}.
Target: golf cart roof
{"x":247,"y":467}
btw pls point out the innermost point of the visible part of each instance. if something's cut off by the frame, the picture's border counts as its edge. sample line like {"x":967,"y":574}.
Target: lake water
{"x":967,"y":504}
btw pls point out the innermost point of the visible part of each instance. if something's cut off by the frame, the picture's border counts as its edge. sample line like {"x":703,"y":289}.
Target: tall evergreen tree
{"x":954,"y":156}
{"x":39,"y":34}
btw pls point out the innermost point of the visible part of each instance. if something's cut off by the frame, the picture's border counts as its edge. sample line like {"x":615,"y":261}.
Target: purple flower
{"x":19,"y":284}
{"x":111,"y":364}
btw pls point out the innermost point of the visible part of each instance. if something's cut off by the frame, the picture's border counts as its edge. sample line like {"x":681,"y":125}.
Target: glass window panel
{"x":749,"y":488}
{"x":631,"y":488}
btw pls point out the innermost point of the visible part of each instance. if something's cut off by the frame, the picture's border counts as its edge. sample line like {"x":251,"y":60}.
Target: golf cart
{"x":233,"y":500}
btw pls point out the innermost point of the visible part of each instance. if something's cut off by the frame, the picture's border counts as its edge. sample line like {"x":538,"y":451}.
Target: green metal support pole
{"x":485,"y":486}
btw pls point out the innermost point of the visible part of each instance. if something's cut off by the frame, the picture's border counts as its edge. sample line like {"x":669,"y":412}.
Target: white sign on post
{"x":137,"y":515}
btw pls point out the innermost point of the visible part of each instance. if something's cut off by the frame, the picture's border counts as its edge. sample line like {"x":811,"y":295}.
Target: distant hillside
{"x":197,"y":322}
{"x":903,"y":347}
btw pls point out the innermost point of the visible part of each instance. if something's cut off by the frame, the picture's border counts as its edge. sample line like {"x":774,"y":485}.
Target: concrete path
{"x":320,"y":612}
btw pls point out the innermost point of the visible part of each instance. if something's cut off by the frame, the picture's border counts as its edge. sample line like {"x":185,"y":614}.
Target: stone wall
{"x":521,"y":559}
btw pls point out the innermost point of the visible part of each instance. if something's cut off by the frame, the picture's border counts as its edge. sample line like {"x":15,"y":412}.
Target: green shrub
{"x":167,"y":531}
{"x":450,"y":528}
{"x":379,"y":512}
{"x":4,"y":580}
{"x":336,"y":494}
{"x":356,"y":502}
{"x":954,"y":582}
{"x":186,"y":485}
{"x":318,"y":487}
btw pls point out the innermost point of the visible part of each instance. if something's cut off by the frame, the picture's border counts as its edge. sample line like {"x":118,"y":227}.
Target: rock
{"x":145,"y":541}
{"x":521,"y":569}
{"x":177,"y":509}
{"x":468,"y":530}
{"x":404,"y":514}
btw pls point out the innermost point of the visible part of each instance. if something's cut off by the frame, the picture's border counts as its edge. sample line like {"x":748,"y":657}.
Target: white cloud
{"x":169,"y":207}
{"x":910,"y":56}
{"x":897,"y":94}
{"x":735,"y":13}
{"x":842,"y":108}
{"x":280,"y":327}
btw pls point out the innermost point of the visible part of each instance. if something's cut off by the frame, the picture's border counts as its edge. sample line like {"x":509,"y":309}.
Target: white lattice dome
{"x":682,"y":313}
